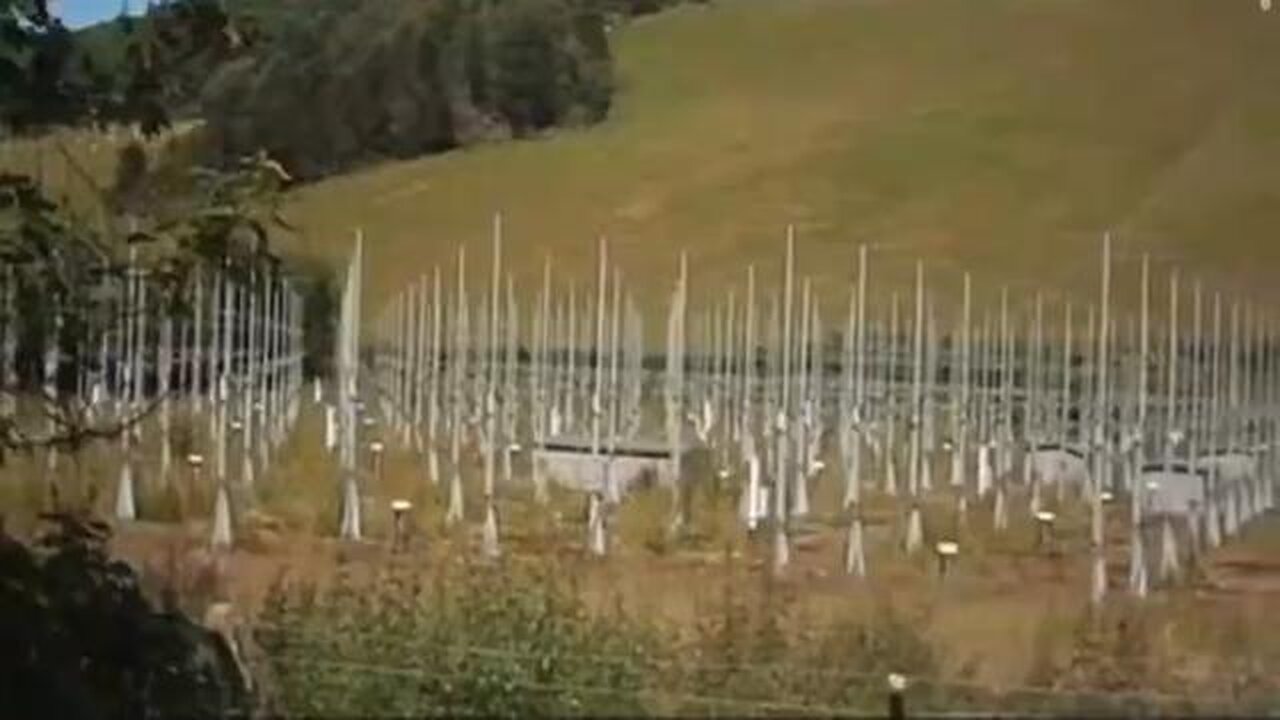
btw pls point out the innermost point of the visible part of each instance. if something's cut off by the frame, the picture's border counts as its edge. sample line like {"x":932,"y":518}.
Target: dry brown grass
{"x":1008,"y":611}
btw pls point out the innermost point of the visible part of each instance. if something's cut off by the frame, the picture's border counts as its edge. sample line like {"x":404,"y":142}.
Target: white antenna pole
{"x":1032,"y":428}
{"x":197,"y":344}
{"x":1171,"y":385}
{"x":138,"y":353}
{"x":728,"y":367}
{"x":675,"y":390}
{"x":914,"y":537}
{"x":858,"y":320}
{"x":164,"y":370}
{"x":1247,"y":366}
{"x":1137,"y":550}
{"x":280,"y":390}
{"x":405,"y":344}
{"x":1264,"y":477}
{"x":542,"y":402}
{"x":571,"y":376}
{"x":250,"y":350}
{"x":844,"y":409}
{"x":928,"y":410}
{"x":1099,"y":584}
{"x":1213,"y":529}
{"x":268,"y":364}
{"x":961,"y":386}
{"x":126,"y":508}
{"x":348,"y":385}
{"x":1067,"y":360}
{"x":855,"y":557}
{"x":52,"y":358}
{"x":781,"y":549}
{"x":1233,"y":427}
{"x":222,"y":535}
{"x":1169,"y":554}
{"x":434,"y":367}
{"x":891,"y":354}
{"x":458,"y":361}
{"x":214,"y":358}
{"x":407,"y":334}
{"x":281,"y":363}
{"x":182,"y":339}
{"x":800,"y":490}
{"x":963,"y":409}
{"x":1273,"y":401}
{"x":596,"y":541}
{"x":612,"y":405}
{"x":746,"y":426}
{"x":421,"y":327}
{"x":490,"y":538}
{"x":1004,"y":447}
{"x":405,"y":347}
{"x":1196,"y":425}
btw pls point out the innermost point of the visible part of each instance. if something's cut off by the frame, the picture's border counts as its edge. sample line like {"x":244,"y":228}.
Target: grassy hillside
{"x":1001,"y":136}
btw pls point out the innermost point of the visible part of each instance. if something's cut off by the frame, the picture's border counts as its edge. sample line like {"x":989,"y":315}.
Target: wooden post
{"x":897,"y":703}
{"x":400,"y":525}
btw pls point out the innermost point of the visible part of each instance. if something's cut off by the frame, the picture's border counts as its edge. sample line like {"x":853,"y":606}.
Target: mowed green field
{"x":999,"y":136}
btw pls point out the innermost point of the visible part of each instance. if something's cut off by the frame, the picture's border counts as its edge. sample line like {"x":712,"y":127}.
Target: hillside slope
{"x":1000,"y":136}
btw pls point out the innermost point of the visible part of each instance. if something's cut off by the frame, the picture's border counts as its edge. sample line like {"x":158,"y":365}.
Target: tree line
{"x":348,"y":82}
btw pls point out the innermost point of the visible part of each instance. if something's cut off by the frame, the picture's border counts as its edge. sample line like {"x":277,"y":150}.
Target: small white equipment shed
{"x":1172,"y":487}
{"x":569,"y":462}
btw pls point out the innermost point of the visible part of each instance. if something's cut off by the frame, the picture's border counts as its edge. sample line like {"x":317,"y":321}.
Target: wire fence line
{"x":867,"y":679}
{"x":412,"y":672}
{"x":686,"y":699}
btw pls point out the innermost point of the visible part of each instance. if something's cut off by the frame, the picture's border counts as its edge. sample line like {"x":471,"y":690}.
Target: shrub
{"x":476,"y":640}
{"x":81,"y":640}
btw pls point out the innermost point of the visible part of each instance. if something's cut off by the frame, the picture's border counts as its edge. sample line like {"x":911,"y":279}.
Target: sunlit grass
{"x":1002,"y":137}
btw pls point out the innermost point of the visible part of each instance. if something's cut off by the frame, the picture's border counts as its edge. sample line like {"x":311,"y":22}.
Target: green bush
{"x":514,"y":642}
{"x":83,"y":642}
{"x":476,"y":640}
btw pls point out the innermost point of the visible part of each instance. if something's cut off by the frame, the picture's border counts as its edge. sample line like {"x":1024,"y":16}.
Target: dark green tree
{"x":80,"y":639}
{"x":83,"y":643}
{"x":399,"y":78}
{"x":528,"y":70}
